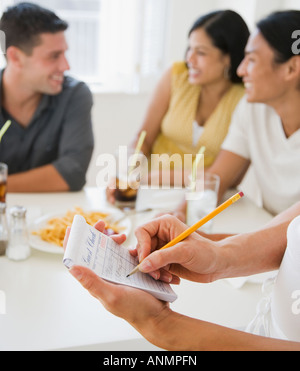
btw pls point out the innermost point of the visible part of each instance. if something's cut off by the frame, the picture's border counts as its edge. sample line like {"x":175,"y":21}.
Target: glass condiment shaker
{"x":3,"y":229}
{"x":18,"y":246}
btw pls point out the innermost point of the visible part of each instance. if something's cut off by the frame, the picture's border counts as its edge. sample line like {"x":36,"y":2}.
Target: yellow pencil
{"x":197,"y":225}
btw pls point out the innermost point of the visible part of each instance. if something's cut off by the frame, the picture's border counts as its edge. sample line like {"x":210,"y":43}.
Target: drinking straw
{"x":195,"y":166}
{"x":4,"y":128}
{"x":137,"y":150}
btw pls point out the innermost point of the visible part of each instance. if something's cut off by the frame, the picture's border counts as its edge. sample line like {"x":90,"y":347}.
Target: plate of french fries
{"x":47,"y":232}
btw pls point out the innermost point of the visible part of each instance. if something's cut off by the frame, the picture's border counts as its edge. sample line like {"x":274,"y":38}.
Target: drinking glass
{"x":3,"y":181}
{"x":128,"y":178}
{"x":202,"y":199}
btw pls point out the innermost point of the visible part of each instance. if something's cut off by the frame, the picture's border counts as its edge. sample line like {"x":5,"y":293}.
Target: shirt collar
{"x":47,"y":101}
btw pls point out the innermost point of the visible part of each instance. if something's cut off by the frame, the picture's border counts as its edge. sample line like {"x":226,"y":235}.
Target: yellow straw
{"x":137,"y":150}
{"x":4,"y":128}
{"x":195,"y":166}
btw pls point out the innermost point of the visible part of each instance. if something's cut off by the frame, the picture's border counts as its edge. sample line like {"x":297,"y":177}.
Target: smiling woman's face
{"x":206,"y":62}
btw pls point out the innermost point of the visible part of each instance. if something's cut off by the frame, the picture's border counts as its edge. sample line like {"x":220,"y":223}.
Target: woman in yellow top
{"x":195,"y":116}
{"x":194,"y":100}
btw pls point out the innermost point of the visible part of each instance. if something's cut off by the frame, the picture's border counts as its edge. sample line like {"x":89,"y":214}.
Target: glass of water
{"x":202,"y":199}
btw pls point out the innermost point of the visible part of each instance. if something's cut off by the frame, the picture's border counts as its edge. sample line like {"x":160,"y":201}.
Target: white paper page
{"x":91,"y":248}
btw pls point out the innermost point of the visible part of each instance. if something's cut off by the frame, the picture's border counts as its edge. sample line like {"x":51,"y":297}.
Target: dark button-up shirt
{"x":60,"y":133}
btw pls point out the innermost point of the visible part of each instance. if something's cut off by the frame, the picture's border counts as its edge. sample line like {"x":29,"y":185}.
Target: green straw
{"x":4,"y":128}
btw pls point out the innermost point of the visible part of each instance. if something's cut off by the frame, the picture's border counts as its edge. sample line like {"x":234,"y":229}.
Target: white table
{"x":47,"y":309}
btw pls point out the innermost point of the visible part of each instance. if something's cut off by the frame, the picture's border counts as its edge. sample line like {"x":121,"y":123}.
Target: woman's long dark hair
{"x":229,"y":33}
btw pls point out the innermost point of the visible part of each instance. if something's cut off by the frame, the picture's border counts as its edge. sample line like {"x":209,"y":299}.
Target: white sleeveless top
{"x":278,"y":313}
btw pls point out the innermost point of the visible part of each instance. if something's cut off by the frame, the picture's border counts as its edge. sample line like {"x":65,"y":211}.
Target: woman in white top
{"x":265,"y":128}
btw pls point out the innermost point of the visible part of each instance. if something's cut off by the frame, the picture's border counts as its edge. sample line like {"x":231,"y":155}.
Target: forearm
{"x":180,"y":333}
{"x":43,"y":179}
{"x":259,"y":251}
{"x":248,"y":254}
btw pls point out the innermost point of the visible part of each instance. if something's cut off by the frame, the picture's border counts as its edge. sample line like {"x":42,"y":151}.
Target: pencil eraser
{"x":241,"y":194}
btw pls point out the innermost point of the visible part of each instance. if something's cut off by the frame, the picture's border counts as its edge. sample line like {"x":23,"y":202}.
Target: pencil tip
{"x":127,"y":275}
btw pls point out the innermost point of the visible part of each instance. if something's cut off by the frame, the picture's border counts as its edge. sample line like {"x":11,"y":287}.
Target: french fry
{"x":55,"y":229}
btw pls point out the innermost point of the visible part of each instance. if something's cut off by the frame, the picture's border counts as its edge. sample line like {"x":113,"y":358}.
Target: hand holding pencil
{"x":152,"y":233}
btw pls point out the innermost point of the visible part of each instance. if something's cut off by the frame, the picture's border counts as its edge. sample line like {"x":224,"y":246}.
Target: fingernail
{"x":146,"y":266}
{"x":155,"y":275}
{"x":76,"y":272}
{"x":165,"y":276}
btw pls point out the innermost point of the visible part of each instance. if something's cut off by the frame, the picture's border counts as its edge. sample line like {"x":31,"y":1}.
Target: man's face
{"x":43,"y":70}
{"x":263,"y":79}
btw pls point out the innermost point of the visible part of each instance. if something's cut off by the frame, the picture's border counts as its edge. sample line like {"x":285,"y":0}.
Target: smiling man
{"x":49,"y":145}
{"x":265,"y":130}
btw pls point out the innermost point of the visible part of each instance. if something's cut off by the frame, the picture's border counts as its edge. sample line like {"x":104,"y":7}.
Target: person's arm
{"x":176,"y":332}
{"x":76,"y":142}
{"x":43,"y":179}
{"x":165,"y":328}
{"x":202,"y":260}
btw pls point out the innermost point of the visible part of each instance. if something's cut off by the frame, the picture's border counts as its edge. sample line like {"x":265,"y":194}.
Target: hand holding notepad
{"x":92,"y":249}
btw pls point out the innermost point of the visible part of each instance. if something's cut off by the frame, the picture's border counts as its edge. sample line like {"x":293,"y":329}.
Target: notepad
{"x":92,"y":249}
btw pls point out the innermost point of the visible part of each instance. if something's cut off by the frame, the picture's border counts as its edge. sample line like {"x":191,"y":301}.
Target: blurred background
{"x":121,"y":48}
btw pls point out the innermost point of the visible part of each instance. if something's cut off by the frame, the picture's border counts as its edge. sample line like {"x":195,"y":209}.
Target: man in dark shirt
{"x":49,"y":144}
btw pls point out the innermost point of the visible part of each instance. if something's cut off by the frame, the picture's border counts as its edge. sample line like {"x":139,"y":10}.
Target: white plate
{"x":37,"y":243}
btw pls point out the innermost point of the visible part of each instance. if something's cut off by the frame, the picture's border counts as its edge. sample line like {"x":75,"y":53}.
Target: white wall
{"x":116,"y":117}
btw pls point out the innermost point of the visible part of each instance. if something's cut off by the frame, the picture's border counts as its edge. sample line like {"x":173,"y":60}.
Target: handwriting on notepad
{"x":90,"y":244}
{"x":91,"y":248}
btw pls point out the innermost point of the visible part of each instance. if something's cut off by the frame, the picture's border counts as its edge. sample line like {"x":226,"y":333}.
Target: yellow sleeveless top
{"x":176,"y":136}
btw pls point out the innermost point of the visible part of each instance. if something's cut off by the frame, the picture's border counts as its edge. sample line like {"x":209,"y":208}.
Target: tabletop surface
{"x":44,"y":308}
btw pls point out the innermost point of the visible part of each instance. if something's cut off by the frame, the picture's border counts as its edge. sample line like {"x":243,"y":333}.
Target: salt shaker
{"x":3,"y":229}
{"x":18,"y":247}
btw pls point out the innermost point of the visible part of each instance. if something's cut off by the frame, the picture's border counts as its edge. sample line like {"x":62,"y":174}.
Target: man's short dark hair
{"x":23,"y":23}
